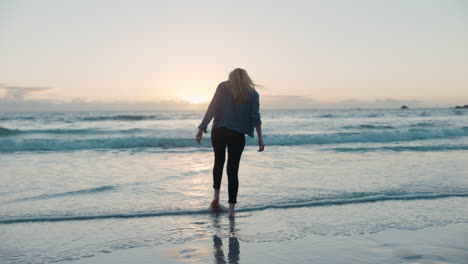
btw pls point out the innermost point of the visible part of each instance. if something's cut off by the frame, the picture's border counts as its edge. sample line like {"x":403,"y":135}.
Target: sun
{"x":195,"y":98}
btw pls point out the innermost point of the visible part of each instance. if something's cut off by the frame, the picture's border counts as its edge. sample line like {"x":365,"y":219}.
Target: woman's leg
{"x":218,"y":141}
{"x":235,"y":145}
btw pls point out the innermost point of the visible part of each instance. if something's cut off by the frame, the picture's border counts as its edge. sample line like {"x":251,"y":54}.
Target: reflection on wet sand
{"x":200,"y":252}
{"x":234,"y":248}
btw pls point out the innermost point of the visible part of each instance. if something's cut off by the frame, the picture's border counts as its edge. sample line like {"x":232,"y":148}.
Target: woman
{"x":234,"y":108}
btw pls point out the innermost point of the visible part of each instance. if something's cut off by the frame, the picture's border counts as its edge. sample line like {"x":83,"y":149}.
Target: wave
{"x":365,"y":199}
{"x":423,"y":124}
{"x":69,"y":193}
{"x":368,"y":127}
{"x":87,"y":131}
{"x":365,"y":115}
{"x":97,"y":118}
{"x":10,"y":132}
{"x":124,"y":118}
{"x":8,"y":118}
{"x":328,"y":116}
{"x":57,"y":144}
{"x":375,"y":115}
{"x":95,"y":143}
{"x":6,"y":131}
{"x":364,"y":136}
{"x":403,"y":148}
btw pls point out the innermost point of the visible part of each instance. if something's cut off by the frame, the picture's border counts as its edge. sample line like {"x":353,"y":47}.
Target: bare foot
{"x":215,"y":205}
{"x":231,"y":210}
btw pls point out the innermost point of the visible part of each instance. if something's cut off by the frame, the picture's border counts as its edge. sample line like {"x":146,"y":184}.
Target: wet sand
{"x":446,"y":244}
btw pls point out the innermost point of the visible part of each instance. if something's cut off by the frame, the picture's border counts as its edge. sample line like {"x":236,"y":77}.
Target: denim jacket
{"x":241,"y":117}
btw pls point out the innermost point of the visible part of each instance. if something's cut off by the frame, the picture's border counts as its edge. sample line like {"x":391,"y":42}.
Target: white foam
{"x":366,"y":199}
{"x":105,"y":142}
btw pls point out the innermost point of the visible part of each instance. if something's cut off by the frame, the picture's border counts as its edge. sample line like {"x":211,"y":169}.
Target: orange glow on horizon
{"x":196,"y":98}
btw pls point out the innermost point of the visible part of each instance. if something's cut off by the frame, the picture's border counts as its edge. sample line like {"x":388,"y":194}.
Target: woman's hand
{"x":261,"y":146}
{"x":199,"y":135}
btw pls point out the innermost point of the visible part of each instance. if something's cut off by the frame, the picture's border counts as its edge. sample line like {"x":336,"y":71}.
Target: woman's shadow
{"x":234,"y":248}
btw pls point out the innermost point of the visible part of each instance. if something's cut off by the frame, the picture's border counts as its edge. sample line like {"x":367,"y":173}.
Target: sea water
{"x":78,"y":184}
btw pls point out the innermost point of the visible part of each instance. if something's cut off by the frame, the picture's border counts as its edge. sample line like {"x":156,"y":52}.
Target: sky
{"x":304,"y":53}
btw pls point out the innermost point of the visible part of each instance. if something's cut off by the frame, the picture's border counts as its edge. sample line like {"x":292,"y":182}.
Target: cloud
{"x":20,"y":92}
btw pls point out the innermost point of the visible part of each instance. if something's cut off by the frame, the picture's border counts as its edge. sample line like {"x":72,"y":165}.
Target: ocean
{"x":75,"y":185}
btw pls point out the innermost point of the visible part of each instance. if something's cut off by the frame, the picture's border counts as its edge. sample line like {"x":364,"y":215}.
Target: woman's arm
{"x":211,"y":109}
{"x":256,"y":121}
{"x":261,"y":146}
{"x":215,"y":102}
{"x":255,"y":110}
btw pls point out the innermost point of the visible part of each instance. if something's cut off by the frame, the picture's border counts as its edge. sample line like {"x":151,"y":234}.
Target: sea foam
{"x":364,"y":199}
{"x":136,"y":141}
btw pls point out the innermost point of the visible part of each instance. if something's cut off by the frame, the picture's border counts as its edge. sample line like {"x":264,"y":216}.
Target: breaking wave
{"x":124,"y":118}
{"x":369,"y":127}
{"x":69,"y":193}
{"x":130,"y":141}
{"x":12,"y":132}
{"x":363,"y":199}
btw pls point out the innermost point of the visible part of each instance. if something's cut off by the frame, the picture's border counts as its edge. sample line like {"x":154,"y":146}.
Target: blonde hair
{"x":240,"y":85}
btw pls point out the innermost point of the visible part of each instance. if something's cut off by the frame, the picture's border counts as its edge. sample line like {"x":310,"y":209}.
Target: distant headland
{"x":461,"y":107}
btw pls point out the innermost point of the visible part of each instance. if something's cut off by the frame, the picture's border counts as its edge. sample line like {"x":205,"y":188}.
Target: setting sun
{"x":196,"y":98}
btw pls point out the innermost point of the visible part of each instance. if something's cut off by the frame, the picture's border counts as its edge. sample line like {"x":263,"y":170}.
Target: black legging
{"x":235,"y":142}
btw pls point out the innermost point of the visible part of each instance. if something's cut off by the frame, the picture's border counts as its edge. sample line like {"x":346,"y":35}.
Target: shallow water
{"x":325,"y":172}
